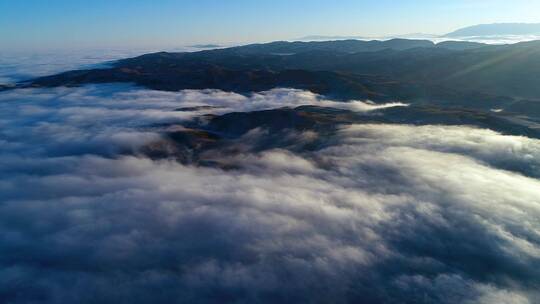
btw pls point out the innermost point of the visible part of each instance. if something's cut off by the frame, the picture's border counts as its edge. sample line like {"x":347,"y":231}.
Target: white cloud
{"x":383,"y":213}
{"x":18,"y":66}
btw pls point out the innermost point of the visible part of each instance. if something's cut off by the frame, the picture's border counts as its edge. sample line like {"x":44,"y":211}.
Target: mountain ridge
{"x":416,"y":71}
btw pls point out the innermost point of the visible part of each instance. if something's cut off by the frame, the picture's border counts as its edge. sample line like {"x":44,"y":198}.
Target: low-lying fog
{"x":382,"y":213}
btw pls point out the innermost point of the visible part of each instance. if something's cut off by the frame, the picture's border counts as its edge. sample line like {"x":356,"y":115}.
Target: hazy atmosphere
{"x":269,"y":152}
{"x":68,"y":24}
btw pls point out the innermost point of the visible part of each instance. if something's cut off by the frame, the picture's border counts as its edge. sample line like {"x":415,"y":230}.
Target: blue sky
{"x":57,"y":24}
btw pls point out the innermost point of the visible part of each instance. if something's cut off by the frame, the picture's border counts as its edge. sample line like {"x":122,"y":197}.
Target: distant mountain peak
{"x":495,"y":29}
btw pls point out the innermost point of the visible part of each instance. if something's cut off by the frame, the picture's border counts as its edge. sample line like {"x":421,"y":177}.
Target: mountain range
{"x":417,"y":71}
{"x":480,"y":30}
{"x":496,"y":29}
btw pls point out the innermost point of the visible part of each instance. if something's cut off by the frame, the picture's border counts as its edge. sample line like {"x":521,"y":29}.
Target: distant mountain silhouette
{"x":497,"y":29}
{"x":348,"y":46}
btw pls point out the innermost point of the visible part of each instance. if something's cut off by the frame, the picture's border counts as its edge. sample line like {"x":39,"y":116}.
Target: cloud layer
{"x":24,"y":65}
{"x":381,"y":214}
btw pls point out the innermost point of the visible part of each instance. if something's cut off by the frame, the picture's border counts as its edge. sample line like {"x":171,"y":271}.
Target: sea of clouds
{"x":18,"y":66}
{"x":381,"y":214}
